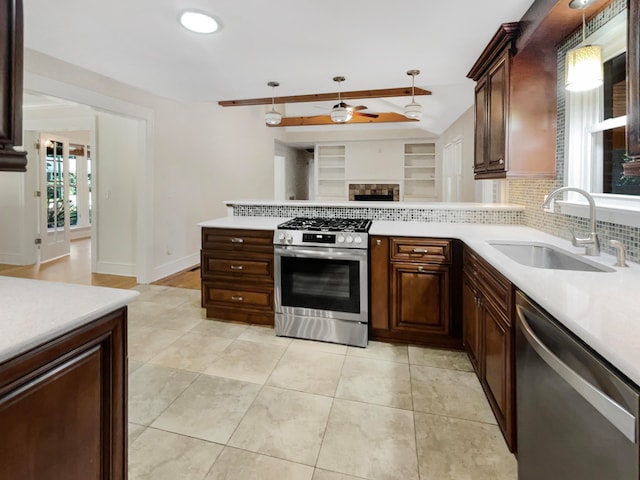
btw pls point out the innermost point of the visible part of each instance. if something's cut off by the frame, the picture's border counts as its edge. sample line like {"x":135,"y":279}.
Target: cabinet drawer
{"x":214,"y":294}
{"x":421,"y":250}
{"x":237,"y":240}
{"x":212,"y":264}
{"x":495,"y":287}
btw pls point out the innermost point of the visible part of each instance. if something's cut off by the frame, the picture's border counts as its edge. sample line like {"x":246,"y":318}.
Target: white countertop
{"x":33,"y":312}
{"x":599,"y":307}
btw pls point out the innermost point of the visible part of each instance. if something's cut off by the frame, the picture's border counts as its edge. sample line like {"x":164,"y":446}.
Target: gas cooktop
{"x":319,"y":224}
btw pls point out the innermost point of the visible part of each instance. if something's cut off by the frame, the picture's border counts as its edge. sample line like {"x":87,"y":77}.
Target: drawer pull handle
{"x":378,"y":242}
{"x":420,"y":250}
{"x":237,"y":240}
{"x":475,"y":273}
{"x":236,"y":267}
{"x":421,"y":268}
{"x":237,"y":298}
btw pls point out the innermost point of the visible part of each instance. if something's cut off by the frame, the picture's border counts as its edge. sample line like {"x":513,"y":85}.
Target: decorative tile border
{"x":409,"y":214}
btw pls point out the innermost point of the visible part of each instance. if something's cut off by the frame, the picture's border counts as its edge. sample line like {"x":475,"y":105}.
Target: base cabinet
{"x":413,"y":281}
{"x":237,"y":274}
{"x":488,"y":337}
{"x":63,"y":406}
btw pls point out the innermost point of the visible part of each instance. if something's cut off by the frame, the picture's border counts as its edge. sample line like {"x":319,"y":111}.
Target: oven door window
{"x":321,"y":284}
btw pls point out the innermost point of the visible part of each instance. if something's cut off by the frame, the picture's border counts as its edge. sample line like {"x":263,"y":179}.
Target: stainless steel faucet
{"x":591,"y":243}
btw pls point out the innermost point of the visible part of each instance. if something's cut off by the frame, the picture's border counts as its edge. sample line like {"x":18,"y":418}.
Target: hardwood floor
{"x":76,"y":268}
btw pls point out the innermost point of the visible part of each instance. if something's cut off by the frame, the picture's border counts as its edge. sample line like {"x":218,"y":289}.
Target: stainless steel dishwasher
{"x":577,"y":417}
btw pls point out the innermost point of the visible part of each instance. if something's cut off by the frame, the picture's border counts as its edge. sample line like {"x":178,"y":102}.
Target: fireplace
{"x":374,"y":192}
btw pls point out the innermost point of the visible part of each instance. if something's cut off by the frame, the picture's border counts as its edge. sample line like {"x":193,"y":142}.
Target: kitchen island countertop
{"x":32,"y":312}
{"x":598,"y":307}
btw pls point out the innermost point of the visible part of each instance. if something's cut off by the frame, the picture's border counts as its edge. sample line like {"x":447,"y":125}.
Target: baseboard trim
{"x":174,"y":267}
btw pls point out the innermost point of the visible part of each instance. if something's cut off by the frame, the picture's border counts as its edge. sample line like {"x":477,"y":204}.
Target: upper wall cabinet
{"x":633,"y":78}
{"x":491,"y":71}
{"x":11,"y":60}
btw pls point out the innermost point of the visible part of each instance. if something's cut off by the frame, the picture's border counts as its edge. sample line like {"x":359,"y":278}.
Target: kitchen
{"x":516,"y":187}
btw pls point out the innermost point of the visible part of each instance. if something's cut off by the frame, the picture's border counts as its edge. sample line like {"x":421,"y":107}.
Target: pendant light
{"x":273,"y":117}
{"x":583,"y":65}
{"x":413,"y":109}
{"x":340,"y":112}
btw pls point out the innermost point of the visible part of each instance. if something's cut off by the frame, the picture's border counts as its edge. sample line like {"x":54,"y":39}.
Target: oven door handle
{"x":285,"y":251}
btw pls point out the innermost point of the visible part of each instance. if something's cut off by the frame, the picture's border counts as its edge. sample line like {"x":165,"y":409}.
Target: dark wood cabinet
{"x":413,"y":281}
{"x":237,"y":274}
{"x":488,"y":337}
{"x":63,"y":406}
{"x":633,"y":79}
{"x":11,"y":66}
{"x":491,"y":71}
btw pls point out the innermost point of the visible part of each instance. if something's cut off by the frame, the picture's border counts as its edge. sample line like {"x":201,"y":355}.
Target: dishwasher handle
{"x":619,"y":417}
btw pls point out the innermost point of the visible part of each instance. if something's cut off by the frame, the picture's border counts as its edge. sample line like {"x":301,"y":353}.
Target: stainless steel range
{"x":321,"y":279}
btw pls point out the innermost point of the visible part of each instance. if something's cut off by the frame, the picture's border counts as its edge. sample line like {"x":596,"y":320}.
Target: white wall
{"x":463,"y":127}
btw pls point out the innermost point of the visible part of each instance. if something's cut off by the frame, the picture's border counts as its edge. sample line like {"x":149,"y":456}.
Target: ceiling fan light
{"x":272,"y":117}
{"x":583,"y":68}
{"x":413,"y":110}
{"x":340,"y":114}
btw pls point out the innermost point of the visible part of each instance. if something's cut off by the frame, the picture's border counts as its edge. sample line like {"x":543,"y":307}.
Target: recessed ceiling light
{"x":198,"y":22}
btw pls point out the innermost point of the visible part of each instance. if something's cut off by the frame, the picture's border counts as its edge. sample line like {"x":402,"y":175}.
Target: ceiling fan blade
{"x":319,"y":97}
{"x":365,"y":114}
{"x":389,"y":117}
{"x":359,"y":107}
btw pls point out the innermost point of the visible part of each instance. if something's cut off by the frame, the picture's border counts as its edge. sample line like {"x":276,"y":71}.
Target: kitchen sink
{"x":543,"y":255}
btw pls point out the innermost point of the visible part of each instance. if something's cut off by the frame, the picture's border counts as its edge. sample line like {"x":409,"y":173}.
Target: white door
{"x":452,"y":171}
{"x":55,"y":203}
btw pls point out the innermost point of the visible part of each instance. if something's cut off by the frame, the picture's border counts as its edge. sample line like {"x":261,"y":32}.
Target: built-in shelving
{"x":331,"y":162}
{"x":420,"y":171}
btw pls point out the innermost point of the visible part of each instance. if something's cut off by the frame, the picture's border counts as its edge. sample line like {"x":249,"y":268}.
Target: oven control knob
{"x":357,"y":240}
{"x":349,"y":239}
{"x":340,"y":238}
{"x":281,"y":237}
{"x":289,"y":238}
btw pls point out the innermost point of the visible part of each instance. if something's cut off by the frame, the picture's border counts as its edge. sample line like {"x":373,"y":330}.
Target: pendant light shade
{"x":583,"y":65}
{"x":273,"y":117}
{"x":414,"y":109}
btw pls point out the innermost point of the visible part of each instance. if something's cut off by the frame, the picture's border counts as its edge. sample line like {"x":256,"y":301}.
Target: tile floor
{"x":220,"y":400}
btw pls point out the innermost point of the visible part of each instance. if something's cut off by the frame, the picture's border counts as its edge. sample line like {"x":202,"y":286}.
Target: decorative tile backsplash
{"x":530,"y":193}
{"x":409,"y":214}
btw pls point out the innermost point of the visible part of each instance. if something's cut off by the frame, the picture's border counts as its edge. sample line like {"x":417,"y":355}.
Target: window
{"x":595,"y":131}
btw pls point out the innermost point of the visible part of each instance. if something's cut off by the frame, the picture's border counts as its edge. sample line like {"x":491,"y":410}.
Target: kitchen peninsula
{"x":63,"y":369}
{"x":595,"y":306}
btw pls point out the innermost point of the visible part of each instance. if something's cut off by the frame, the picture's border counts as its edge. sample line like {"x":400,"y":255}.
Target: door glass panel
{"x":55,"y":185}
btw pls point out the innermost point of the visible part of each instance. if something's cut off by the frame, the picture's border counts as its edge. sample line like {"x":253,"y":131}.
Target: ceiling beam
{"x":321,"y":97}
{"x":326,"y":120}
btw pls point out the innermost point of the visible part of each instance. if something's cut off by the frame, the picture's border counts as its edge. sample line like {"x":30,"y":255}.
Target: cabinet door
{"x":471,"y":325}
{"x":63,"y":406}
{"x":379,"y":282}
{"x":11,"y":53}
{"x":420,"y":298}
{"x":497,"y":83}
{"x":633,"y":79}
{"x":497,"y":365}
{"x":480,"y":159}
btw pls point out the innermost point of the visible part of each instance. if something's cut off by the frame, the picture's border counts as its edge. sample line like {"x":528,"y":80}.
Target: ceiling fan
{"x":342,"y":112}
